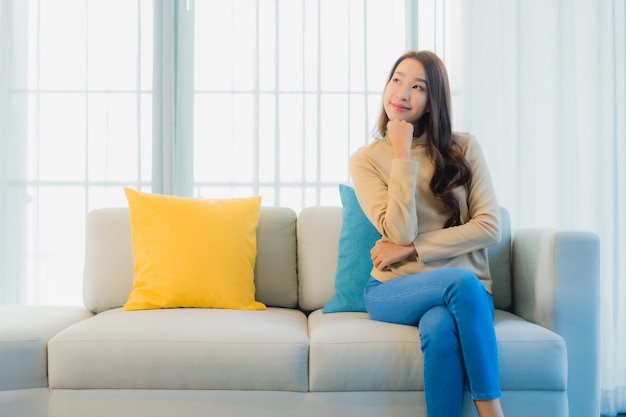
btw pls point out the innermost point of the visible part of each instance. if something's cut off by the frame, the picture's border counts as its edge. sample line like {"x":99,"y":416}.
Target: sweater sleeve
{"x":389,"y":206}
{"x":483,"y":226}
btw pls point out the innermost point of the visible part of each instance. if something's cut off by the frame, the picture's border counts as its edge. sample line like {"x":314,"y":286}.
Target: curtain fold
{"x":613,"y":394}
{"x":75,"y":127}
{"x":4,"y":280}
{"x":13,"y":195}
{"x":543,"y":89}
{"x":164,"y":98}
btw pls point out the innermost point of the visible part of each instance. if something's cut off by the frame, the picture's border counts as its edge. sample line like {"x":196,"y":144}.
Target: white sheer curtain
{"x":75,"y":127}
{"x":292,"y":88}
{"x":544,"y":91}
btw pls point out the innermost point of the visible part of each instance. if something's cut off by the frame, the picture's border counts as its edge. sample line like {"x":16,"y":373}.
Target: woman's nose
{"x":404,"y":94}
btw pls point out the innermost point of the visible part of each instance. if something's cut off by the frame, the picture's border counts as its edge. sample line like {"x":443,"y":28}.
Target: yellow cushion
{"x":193,"y":253}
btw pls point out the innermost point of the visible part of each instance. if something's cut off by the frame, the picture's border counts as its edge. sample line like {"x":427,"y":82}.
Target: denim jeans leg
{"x":472,"y":308}
{"x":443,"y":365}
{"x":405,"y":300}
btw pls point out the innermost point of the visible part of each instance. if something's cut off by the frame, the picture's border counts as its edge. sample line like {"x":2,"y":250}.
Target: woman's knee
{"x":438,"y":330}
{"x":467,"y":294}
{"x":465,"y":283}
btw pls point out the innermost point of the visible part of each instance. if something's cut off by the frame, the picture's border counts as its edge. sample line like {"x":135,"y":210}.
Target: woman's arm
{"x":388,"y":200}
{"x":385,"y":254}
{"x":483,"y":227}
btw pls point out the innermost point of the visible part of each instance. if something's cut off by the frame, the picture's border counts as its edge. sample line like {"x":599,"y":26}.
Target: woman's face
{"x":406,"y":94}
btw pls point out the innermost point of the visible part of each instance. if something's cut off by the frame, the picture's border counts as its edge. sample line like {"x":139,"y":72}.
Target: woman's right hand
{"x":385,"y":253}
{"x":400,"y":133}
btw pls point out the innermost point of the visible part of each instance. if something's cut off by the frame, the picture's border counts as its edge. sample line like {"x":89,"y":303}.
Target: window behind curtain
{"x":266,"y":97}
{"x":77,"y":128}
{"x":284,"y":91}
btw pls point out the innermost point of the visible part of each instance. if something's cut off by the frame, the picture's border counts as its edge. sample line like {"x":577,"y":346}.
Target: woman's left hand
{"x":385,"y":254}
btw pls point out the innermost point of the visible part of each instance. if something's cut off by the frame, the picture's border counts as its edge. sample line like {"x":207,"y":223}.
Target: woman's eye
{"x":418,"y":87}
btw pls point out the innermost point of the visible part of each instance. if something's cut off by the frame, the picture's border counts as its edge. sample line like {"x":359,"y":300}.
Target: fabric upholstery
{"x":382,"y":356}
{"x":529,"y":356}
{"x":29,"y":402}
{"x":318,"y":239}
{"x":358,"y":236}
{"x":108,"y":275}
{"x":556,"y":279}
{"x":109,"y":265}
{"x":191,"y":252}
{"x":371,"y":355}
{"x":275,"y":275}
{"x":183,"y":349}
{"x":203,"y":403}
{"x":500,"y":265}
{"x":24,"y":335}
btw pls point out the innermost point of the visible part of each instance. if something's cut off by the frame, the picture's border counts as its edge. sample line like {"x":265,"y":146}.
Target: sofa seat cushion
{"x":24,"y":335}
{"x":184,"y":349}
{"x":351,"y":352}
{"x":530,"y":357}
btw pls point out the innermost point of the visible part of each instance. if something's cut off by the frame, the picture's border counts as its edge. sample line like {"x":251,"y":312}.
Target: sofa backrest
{"x":318,"y":239}
{"x":500,"y":265}
{"x":109,"y":263}
{"x":318,"y":234}
{"x":286,"y":274}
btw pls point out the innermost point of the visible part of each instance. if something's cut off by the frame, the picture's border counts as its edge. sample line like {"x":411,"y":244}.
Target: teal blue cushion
{"x":354,"y":264}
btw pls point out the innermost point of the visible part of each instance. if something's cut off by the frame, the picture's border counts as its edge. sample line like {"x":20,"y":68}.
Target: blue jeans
{"x":454,"y":313}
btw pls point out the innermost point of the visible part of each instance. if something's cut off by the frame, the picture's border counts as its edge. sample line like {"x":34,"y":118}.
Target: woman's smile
{"x":399,"y":107}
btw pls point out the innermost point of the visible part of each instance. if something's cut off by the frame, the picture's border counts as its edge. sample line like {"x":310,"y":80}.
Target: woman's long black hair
{"x":451,"y":168}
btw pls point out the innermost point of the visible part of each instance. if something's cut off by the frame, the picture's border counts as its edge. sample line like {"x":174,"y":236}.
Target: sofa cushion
{"x":275,"y":274}
{"x":354,"y":264}
{"x":350,"y":352}
{"x":183,"y":349}
{"x":193,"y":253}
{"x":530,"y":357}
{"x":500,"y":265}
{"x":24,"y":335}
{"x":318,"y":231}
{"x":108,"y":274}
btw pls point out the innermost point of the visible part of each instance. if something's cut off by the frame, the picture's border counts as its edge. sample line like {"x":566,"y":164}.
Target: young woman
{"x":429,"y":193}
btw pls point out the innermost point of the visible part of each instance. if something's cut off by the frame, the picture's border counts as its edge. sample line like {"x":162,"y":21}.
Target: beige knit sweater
{"x":395,"y":195}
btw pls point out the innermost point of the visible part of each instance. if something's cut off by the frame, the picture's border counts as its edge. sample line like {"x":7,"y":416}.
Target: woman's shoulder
{"x":375,"y":154}
{"x":373,"y":148}
{"x":463,"y":139}
{"x":467,"y":142}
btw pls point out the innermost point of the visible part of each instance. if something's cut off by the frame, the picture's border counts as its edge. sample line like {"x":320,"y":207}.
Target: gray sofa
{"x":291,"y":359}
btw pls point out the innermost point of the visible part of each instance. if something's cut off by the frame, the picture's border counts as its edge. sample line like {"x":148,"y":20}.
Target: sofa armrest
{"x":556,"y":281}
